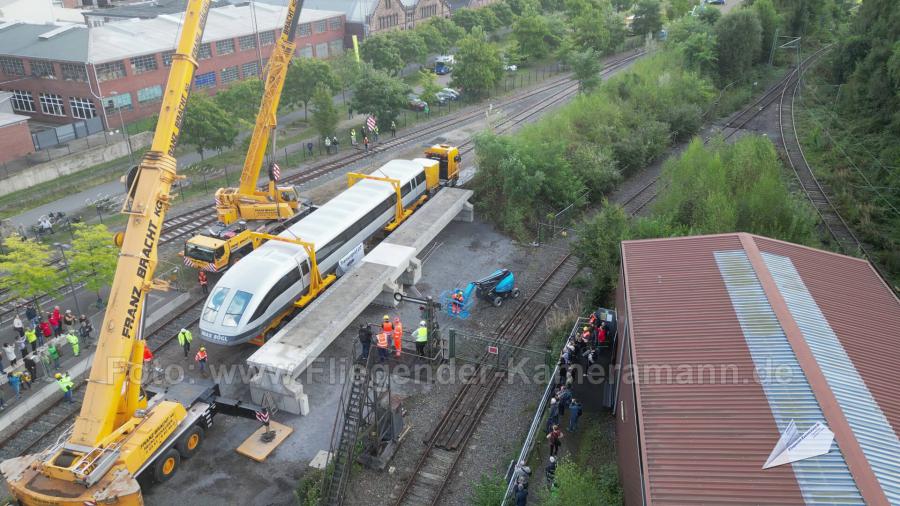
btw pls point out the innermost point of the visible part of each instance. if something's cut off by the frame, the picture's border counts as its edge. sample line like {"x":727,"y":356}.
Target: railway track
{"x":734,"y":124}
{"x":447,"y":441}
{"x":48,"y":424}
{"x":834,"y":223}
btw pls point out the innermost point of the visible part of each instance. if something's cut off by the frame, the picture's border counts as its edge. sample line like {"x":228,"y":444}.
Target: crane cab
{"x":449,"y":159}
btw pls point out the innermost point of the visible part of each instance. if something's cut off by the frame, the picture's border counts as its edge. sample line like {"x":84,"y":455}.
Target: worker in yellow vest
{"x":382,"y":346}
{"x":398,"y":335}
{"x":72,"y":338}
{"x":421,"y":335}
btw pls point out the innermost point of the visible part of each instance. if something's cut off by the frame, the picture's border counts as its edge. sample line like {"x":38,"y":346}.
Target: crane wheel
{"x":189,"y":442}
{"x":166,"y":465}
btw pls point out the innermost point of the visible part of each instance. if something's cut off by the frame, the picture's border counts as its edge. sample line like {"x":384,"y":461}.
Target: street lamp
{"x":62,"y":251}
{"x":124,"y":129}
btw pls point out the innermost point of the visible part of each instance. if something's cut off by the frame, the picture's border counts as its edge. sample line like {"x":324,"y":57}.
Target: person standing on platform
{"x":398,"y":335}
{"x":85,"y":329}
{"x":365,"y":339}
{"x":72,"y":338}
{"x":32,"y":314}
{"x":202,"y":358}
{"x":10,"y":353}
{"x":31,"y":337}
{"x":555,"y":438}
{"x":69,"y":319}
{"x":393,"y":129}
{"x":574,"y":414}
{"x":18,"y":326}
{"x":31,"y":365}
{"x":53,"y":353}
{"x":382,"y":346}
{"x":421,"y":335}
{"x":46,"y":332}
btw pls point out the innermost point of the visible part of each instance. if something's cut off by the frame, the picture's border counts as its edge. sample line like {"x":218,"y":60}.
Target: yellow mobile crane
{"x":246,"y":202}
{"x":118,"y":433}
{"x":280,"y":206}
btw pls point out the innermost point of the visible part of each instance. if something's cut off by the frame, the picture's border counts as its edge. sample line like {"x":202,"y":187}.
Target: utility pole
{"x":124,"y":129}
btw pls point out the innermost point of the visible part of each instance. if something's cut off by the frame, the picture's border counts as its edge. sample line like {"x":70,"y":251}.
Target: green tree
{"x":598,"y":248}
{"x":586,"y":66}
{"x":533,"y":35}
{"x":710,"y":16}
{"x":768,"y":22}
{"x":413,"y":48}
{"x":738,"y":43}
{"x":622,"y":5}
{"x":503,"y":12}
{"x":647,"y":17}
{"x":380,"y":95}
{"x":448,"y":29}
{"x":487,"y":20}
{"x":678,"y":8}
{"x":325,"y":115}
{"x":242,"y":100}
{"x":382,"y":52}
{"x":26,"y":269}
{"x":303,"y":77}
{"x":699,"y":52}
{"x":94,"y":256}
{"x":435,"y":41}
{"x":478,"y":65}
{"x":597,"y":27}
{"x":467,"y":19}
{"x":346,"y":70}
{"x":430,"y":87}
{"x":206,"y":125}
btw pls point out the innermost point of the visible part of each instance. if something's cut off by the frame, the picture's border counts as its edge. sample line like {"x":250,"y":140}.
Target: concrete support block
{"x":282,"y":390}
{"x":386,"y":297}
{"x":412,"y":274}
{"x":466,"y":214}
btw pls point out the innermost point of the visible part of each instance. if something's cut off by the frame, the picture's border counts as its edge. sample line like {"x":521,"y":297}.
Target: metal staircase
{"x":345,"y":434}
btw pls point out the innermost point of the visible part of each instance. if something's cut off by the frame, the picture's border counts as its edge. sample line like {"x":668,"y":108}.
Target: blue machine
{"x":495,"y":287}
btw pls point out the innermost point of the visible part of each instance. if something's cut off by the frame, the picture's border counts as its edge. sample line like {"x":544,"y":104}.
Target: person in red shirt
{"x":46,"y":331}
{"x":55,"y":321}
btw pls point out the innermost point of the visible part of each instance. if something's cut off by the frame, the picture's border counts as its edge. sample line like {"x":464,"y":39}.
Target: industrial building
{"x":730,"y":341}
{"x":63,"y":74}
{"x":369,"y":17}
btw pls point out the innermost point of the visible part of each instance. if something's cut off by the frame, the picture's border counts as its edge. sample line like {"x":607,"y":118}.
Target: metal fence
{"x":494,"y":352}
{"x":64,"y":133}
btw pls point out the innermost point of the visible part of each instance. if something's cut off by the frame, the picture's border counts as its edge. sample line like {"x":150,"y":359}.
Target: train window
{"x":236,"y":308}
{"x":305,"y":267}
{"x":420,"y":179}
{"x":214,"y":303}
{"x":282,"y":286}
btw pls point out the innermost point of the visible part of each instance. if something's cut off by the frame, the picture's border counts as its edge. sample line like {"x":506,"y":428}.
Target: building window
{"x":207,"y":80}
{"x":322,"y":50}
{"x":42,"y":69}
{"x":22,"y":101}
{"x":388,"y":21}
{"x":306,"y":52}
{"x":266,"y":38}
{"x":250,"y":69}
{"x":387,"y":4}
{"x":167,"y":58}
{"x":229,"y":74}
{"x":12,"y":66}
{"x":149,"y":94}
{"x":73,"y":72}
{"x":334,"y":24}
{"x":110,"y":71}
{"x":205,"y":52}
{"x":52,"y":104}
{"x":82,"y":108}
{"x":304,"y":30}
{"x":224,"y":47}
{"x":145,"y":63}
{"x":336,"y":47}
{"x":321,"y":26}
{"x":121,"y":101}
{"x":428,"y":11}
{"x":247,"y":42}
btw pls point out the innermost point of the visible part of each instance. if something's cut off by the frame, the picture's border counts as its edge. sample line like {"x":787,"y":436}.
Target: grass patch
{"x":489,"y":490}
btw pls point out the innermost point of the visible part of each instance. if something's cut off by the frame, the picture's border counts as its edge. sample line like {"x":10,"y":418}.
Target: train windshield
{"x":236,"y":308}
{"x":214,"y":303}
{"x":199,"y":253}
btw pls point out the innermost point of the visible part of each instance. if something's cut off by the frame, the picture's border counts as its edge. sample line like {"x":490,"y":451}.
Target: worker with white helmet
{"x":421,"y":335}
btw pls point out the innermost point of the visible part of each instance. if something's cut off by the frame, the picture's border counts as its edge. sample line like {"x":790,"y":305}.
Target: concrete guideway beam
{"x":386,"y":269}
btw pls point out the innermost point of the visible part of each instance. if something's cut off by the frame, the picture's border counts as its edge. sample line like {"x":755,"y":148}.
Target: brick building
{"x":61,"y":74}
{"x":368,"y":17}
{"x":15,"y":138}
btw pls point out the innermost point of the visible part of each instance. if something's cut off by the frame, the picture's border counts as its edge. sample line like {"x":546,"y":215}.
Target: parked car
{"x":415,"y":103}
{"x":442,"y":69}
{"x":452,"y":93}
{"x":444,"y":97}
{"x":511,"y":68}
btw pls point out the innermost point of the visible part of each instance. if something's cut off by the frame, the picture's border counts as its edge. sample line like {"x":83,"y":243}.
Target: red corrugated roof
{"x":706,"y":443}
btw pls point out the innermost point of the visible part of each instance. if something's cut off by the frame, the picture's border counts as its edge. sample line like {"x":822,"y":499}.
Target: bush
{"x":309,"y":491}
{"x":489,"y":490}
{"x":586,"y":485}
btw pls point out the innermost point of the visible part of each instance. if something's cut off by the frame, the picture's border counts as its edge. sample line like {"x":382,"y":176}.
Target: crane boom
{"x":247,"y":202}
{"x":146,"y":206}
{"x":117,"y":434}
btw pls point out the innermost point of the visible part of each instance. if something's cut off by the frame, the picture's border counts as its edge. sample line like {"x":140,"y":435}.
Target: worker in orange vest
{"x":201,"y":278}
{"x":386,"y":325}
{"x":398,"y":335}
{"x":201,"y":358}
{"x":382,"y":345}
{"x":457,"y":301}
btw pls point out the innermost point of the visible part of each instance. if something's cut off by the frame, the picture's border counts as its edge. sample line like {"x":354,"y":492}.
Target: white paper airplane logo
{"x":793,"y":446}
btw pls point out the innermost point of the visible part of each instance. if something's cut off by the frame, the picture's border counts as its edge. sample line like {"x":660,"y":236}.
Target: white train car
{"x":256,"y":294}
